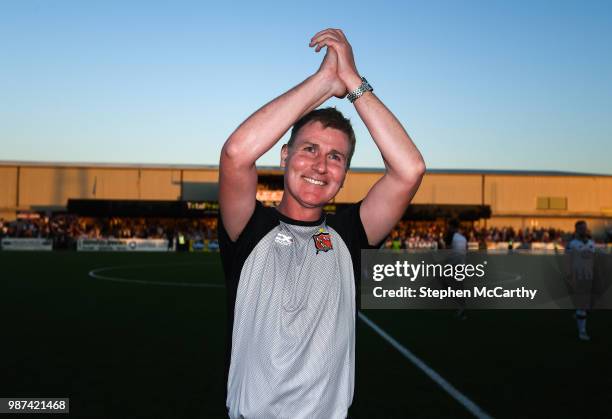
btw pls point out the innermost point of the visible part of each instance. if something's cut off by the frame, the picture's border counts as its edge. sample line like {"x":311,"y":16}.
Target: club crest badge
{"x":322,"y":241}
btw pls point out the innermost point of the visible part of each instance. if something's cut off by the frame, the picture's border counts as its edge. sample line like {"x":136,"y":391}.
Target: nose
{"x":320,"y":163}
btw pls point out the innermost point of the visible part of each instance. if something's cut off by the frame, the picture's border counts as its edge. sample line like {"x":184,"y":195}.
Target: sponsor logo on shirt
{"x":283,"y":239}
{"x":322,"y":241}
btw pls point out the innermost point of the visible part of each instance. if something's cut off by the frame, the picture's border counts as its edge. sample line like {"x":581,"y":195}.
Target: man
{"x":457,"y":241}
{"x":291,"y":271}
{"x":581,"y":252}
{"x":457,"y":244}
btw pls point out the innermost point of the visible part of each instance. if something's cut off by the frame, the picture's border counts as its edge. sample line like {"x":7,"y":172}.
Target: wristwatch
{"x":358,"y":92}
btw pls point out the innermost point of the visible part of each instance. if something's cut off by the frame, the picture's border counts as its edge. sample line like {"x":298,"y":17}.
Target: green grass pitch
{"x":139,"y":350}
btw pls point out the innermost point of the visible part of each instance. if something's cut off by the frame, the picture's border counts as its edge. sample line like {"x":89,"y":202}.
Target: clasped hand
{"x":338,"y":67}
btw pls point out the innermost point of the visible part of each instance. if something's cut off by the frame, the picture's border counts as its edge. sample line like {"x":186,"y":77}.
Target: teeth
{"x":314,"y":181}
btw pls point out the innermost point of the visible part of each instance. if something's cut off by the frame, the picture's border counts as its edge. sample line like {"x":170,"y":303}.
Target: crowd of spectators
{"x":411,"y":235}
{"x":64,"y":229}
{"x":527,"y":235}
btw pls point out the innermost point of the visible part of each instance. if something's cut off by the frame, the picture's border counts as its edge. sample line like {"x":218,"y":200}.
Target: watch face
{"x":366,"y":85}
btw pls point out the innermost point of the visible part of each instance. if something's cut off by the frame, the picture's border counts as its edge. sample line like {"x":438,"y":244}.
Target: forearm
{"x":258,"y":134}
{"x":401,"y":156}
{"x":386,"y":201}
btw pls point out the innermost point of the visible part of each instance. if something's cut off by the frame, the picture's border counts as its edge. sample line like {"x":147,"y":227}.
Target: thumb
{"x":331,"y":52}
{"x":331,"y":57}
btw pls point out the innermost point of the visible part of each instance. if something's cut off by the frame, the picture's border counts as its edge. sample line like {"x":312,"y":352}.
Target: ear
{"x":284,"y":155}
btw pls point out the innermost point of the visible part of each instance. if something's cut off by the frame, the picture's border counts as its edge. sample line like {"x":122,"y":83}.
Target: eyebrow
{"x":338,"y":152}
{"x":333,"y":150}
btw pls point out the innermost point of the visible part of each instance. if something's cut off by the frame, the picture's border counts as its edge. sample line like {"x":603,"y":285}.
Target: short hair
{"x":454,"y":223}
{"x":579,"y":222}
{"x":329,"y":118}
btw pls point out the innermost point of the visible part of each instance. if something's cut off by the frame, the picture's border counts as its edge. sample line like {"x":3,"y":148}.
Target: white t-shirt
{"x":581,"y":258}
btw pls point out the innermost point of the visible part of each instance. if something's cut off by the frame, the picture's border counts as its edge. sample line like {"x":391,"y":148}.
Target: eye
{"x":335,"y":157}
{"x":309,"y":148}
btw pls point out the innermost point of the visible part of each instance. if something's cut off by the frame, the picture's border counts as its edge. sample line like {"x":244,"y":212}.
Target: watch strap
{"x":358,"y":92}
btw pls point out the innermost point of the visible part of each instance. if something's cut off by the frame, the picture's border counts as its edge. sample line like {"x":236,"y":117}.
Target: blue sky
{"x":478,"y":85}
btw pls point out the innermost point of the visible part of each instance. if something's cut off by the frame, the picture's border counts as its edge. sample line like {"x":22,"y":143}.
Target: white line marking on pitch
{"x":472,"y":407}
{"x":95,"y":274}
{"x":437,"y":378}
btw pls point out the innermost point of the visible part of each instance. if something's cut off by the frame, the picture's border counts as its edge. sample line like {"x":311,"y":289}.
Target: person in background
{"x":581,"y":252}
{"x":457,"y":243}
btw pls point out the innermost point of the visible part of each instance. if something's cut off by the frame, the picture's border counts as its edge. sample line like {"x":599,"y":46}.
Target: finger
{"x":340,"y":34}
{"x":324,"y":37}
{"x":327,"y":43}
{"x":319,"y":34}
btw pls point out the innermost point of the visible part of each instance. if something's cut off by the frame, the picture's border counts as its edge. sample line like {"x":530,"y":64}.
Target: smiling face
{"x":315,"y":165}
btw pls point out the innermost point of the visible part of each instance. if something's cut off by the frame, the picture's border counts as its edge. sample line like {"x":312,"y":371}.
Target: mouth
{"x":314,"y":181}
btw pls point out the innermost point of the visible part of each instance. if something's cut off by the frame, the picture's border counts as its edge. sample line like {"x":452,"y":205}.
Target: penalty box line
{"x":472,"y":407}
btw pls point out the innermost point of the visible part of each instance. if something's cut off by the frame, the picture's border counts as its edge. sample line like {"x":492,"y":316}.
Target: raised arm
{"x":387,"y":200}
{"x":259,"y":133}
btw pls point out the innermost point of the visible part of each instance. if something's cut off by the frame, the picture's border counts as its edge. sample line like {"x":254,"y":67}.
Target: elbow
{"x":414,"y":172}
{"x":230,"y":150}
{"x":419,"y":168}
{"x":233,"y":154}
{"x":408,"y":179}
{"x":415,"y":179}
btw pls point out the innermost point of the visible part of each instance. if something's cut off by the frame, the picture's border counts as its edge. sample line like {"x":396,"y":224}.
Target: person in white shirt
{"x":458,"y":247}
{"x":581,"y":252}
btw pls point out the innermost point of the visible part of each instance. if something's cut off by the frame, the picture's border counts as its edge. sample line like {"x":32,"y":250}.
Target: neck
{"x":298,"y":212}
